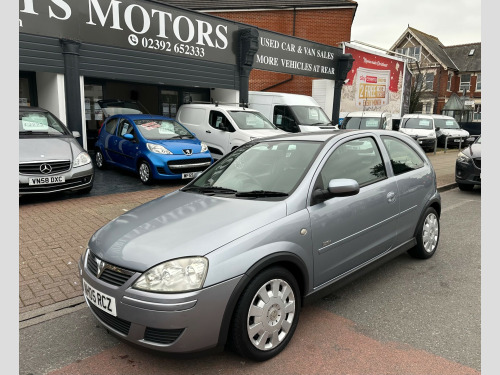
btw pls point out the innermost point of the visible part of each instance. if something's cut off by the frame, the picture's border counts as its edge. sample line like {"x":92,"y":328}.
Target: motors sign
{"x":139,"y":25}
{"x":283,"y":54}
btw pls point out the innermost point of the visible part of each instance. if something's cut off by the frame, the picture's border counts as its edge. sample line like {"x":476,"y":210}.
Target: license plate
{"x":457,"y":140}
{"x":99,"y":299}
{"x":188,"y":175}
{"x":46,"y":180}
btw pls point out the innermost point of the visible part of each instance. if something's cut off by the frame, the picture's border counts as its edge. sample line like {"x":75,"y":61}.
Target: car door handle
{"x":391,"y":196}
{"x":208,"y":131}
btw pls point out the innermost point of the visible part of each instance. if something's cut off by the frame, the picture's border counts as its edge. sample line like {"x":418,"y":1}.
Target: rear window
{"x":361,"y":123}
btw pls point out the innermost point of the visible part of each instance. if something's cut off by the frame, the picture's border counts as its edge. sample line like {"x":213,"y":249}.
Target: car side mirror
{"x":129,"y":137}
{"x":438,"y":128}
{"x":76,"y":134}
{"x":341,"y":187}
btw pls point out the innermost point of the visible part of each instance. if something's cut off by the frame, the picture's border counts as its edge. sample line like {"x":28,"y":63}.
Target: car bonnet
{"x":177,"y":225}
{"x":45,"y":148}
{"x":177,"y":146}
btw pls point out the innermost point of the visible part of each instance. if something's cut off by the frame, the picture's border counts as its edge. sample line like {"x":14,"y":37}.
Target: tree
{"x":416,"y":90}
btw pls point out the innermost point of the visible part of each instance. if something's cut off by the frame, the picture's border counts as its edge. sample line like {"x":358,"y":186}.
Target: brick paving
{"x":53,"y":235}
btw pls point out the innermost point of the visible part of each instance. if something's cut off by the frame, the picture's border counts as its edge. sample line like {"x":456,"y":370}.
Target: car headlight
{"x":178,"y":275}
{"x":462,"y":158}
{"x":204,"y":147}
{"x":158,"y":149}
{"x":82,"y":159}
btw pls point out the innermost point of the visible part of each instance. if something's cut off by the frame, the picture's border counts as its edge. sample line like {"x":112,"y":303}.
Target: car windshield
{"x":446,"y":123}
{"x":41,"y":123}
{"x":267,"y":168}
{"x":247,"y":120}
{"x":361,"y":123}
{"x":157,"y":129}
{"x":310,"y":115}
{"x":417,"y":123}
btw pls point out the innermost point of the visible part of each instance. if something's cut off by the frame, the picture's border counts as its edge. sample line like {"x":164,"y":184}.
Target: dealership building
{"x":74,"y":53}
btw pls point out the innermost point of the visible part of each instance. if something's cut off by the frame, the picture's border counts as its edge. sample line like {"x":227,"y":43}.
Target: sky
{"x":382,"y":22}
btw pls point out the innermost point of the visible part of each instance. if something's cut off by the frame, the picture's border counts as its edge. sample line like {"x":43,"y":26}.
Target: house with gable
{"x":450,"y":76}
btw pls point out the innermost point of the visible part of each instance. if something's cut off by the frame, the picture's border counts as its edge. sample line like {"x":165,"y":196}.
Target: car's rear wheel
{"x":465,"y":187}
{"x":427,"y":235}
{"x":145,"y":173}
{"x":99,"y":160}
{"x":266,"y":315}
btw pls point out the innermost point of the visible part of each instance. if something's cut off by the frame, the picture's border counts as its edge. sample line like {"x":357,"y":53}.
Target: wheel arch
{"x":289,"y":261}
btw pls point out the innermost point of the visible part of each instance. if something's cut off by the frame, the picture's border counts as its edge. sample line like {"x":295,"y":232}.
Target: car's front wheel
{"x":145,"y":173}
{"x":99,"y":160}
{"x":427,"y":235}
{"x":266,"y":315}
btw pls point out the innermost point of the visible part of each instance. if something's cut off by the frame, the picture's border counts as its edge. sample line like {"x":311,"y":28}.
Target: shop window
{"x":169,"y":103}
{"x":93,"y":112}
{"x":27,"y":89}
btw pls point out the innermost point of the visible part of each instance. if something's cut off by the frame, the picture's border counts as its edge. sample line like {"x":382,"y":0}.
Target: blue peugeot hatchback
{"x":155,"y":147}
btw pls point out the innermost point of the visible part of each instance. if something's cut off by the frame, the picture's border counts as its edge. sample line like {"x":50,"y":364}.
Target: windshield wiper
{"x":210,"y":189}
{"x":33,"y":132}
{"x":261,"y":193}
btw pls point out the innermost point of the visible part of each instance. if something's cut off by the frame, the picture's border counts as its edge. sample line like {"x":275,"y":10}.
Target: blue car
{"x":156,"y":147}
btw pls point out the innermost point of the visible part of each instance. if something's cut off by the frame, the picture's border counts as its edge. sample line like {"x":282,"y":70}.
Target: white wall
{"x":322,"y":92}
{"x":225,"y":96}
{"x":50,"y":92}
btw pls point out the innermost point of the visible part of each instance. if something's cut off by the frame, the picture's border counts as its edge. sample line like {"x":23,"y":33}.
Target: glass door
{"x":93,"y":113}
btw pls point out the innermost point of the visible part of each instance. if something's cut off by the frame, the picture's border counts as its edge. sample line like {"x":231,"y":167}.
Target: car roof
{"x":218,"y":106}
{"x":366,"y":114}
{"x":142,"y":116}
{"x":23,"y":108}
{"x":426,"y":115}
{"x":327,"y":135}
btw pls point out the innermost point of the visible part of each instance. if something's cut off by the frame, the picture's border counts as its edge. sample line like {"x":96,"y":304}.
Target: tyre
{"x":465,"y":187}
{"x":145,"y":173}
{"x":99,"y":160}
{"x":266,"y":315}
{"x":427,"y":235}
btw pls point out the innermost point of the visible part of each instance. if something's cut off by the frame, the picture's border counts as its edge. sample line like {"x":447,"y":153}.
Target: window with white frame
{"x":429,"y":81}
{"x":428,"y":107}
{"x":478,"y":82}
{"x":410,"y":51}
{"x":448,"y":86}
{"x":464,"y":82}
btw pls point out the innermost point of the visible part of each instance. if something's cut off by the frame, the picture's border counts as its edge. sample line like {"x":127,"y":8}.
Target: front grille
{"x":162,"y":336}
{"x":114,"y":322}
{"x":477,"y":162}
{"x":189,"y":165}
{"x":58,"y":166}
{"x":112,"y":275}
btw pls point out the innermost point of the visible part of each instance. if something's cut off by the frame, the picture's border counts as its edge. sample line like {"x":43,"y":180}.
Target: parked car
{"x":233,"y":256}
{"x":448,"y":130}
{"x":468,"y":166}
{"x":367,"y":120}
{"x":50,"y":158}
{"x":290,"y":112}
{"x":156,"y":147}
{"x":421,"y":128}
{"x":112,"y":107}
{"x":224,"y":127}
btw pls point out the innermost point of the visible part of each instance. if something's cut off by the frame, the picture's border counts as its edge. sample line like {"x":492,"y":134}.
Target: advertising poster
{"x":375,"y":82}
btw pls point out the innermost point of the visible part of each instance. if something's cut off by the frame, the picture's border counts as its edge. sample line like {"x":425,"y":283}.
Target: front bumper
{"x":175,"y":167}
{"x":467,"y":173}
{"x":176,"y":323}
{"x":75,"y":179}
{"x":453,"y":142}
{"x":427,"y":143}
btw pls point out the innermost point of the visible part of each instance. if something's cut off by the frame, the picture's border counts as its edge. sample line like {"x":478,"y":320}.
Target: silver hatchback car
{"x":231,"y":257}
{"x":50,"y":158}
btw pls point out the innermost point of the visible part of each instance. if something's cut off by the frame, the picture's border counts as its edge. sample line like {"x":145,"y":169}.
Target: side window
{"x":283,"y":119}
{"x":218,"y":120}
{"x":403,"y":157}
{"x":358,"y":159}
{"x":111,"y":126}
{"x":125,"y":128}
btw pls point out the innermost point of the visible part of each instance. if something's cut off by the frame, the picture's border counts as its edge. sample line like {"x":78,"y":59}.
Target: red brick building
{"x":323,"y":21}
{"x":448,"y":72}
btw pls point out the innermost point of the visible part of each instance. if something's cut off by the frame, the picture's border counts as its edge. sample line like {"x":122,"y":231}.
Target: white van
{"x":291,"y":112}
{"x":367,"y":120}
{"x":428,"y":129}
{"x":223,"y":127}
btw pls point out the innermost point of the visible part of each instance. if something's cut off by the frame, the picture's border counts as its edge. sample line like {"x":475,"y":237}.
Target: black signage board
{"x":139,"y":25}
{"x":284,"y":54}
